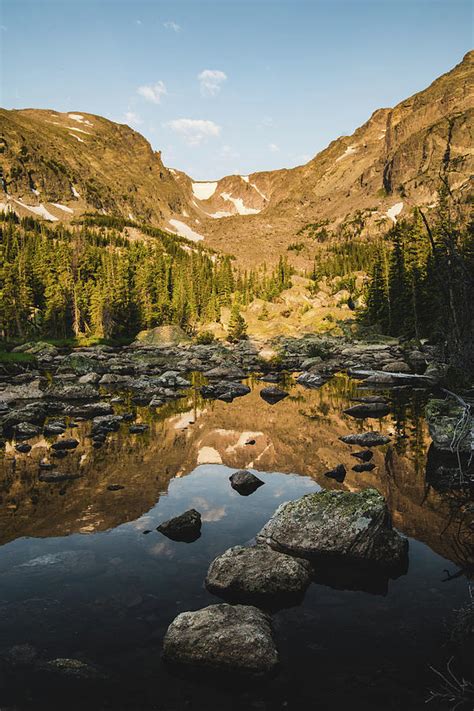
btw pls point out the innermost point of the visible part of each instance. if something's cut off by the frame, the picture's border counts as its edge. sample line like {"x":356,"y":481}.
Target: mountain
{"x":60,"y":165}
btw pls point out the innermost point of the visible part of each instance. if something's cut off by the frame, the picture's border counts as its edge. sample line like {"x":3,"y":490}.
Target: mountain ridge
{"x":61,"y":165}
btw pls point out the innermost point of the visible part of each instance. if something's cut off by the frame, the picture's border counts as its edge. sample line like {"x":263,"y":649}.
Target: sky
{"x":228,"y":86}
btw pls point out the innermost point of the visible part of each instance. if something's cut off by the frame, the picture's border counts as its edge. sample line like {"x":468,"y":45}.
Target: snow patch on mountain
{"x":183,"y":230}
{"x":239,"y":205}
{"x":349,"y":150}
{"x":203,"y":191}
{"x":394,"y":211}
{"x":62,"y":207}
{"x":80,"y":118}
{"x":38,"y":210}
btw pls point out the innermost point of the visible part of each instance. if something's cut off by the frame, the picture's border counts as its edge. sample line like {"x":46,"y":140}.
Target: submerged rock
{"x":338,"y":473}
{"x":311,"y":380}
{"x":366,"y":439}
{"x":233,"y":638}
{"x":365,"y":456}
{"x":67,"y":443}
{"x":70,"y":669}
{"x":25,"y":430}
{"x":225,"y":372}
{"x":272,"y":394}
{"x":227,"y":389}
{"x":258,"y":575}
{"x":332,"y":525}
{"x":366,"y":467}
{"x":245,"y":482}
{"x":368,"y":409}
{"x":23,"y":448}
{"x":54,"y":477}
{"x":186,"y":527}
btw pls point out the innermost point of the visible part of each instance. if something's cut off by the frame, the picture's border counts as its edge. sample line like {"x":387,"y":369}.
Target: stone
{"x":310,"y":380}
{"x":366,"y":467}
{"x":114,"y":379}
{"x":225,"y":638}
{"x":245,"y":482}
{"x":370,"y":398}
{"x":67,"y":443}
{"x":396,"y":366}
{"x":89,"y":379}
{"x":272,"y":395}
{"x":366,"y":439}
{"x":70,"y":669}
{"x":51,"y":429}
{"x":50,"y":477}
{"x":229,"y":389}
{"x":258,"y":575}
{"x":443,"y":417}
{"x":186,"y":527}
{"x":32,"y":390}
{"x":225,"y":372}
{"x":172,"y":379}
{"x":89,"y":410}
{"x":115,"y":487}
{"x":72,"y":391}
{"x":368,"y":409}
{"x":161,"y":336}
{"x":338,"y":473}
{"x":138,"y":428}
{"x":25,"y":430}
{"x":365,"y":456}
{"x":23,"y":448}
{"x":329,"y":525}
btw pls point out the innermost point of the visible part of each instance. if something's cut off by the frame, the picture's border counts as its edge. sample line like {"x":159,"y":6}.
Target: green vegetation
{"x":92,"y":282}
{"x":237,"y":327}
{"x":422,"y":283}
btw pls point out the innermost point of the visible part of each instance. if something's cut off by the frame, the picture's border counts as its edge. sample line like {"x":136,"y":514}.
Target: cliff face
{"x":59,"y":165}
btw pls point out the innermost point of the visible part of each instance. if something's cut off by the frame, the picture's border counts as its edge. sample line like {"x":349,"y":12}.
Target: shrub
{"x":205,"y":338}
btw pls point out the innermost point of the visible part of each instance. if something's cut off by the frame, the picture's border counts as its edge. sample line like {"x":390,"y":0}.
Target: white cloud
{"x":210,"y":81}
{"x":266,"y":122}
{"x":194,"y":131}
{"x":172,"y":26}
{"x":153,"y":92}
{"x":132,"y":118}
{"x":273,"y":148}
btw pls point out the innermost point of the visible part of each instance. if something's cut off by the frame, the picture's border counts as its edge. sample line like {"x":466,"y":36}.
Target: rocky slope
{"x":59,"y":165}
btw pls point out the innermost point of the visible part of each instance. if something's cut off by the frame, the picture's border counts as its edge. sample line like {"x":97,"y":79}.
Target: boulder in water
{"x":186,"y":527}
{"x":366,"y":439}
{"x":245,"y":482}
{"x":330,"y":525}
{"x":230,"y":638}
{"x":258,"y":575}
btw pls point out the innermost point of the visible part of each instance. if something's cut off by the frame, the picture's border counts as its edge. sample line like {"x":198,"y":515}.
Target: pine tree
{"x":237,"y":329}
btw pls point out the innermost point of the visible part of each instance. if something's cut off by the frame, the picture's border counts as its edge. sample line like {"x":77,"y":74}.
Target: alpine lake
{"x":89,"y":586}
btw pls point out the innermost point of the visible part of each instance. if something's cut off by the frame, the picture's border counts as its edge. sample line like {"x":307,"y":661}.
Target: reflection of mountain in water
{"x":300,"y":434}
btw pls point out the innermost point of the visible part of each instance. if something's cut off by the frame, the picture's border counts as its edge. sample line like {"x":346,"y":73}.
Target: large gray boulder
{"x":331,"y":525}
{"x":232,"y":638}
{"x":258,"y":575}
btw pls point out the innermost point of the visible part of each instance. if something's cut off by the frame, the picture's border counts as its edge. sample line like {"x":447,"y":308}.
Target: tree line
{"x":422,"y":282}
{"x":91,"y":280}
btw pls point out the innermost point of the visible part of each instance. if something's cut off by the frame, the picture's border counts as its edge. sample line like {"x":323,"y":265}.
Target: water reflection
{"x":80,"y":579}
{"x":299,"y":434}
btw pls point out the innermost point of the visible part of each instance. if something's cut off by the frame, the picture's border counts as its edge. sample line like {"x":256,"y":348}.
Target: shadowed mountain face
{"x":59,"y":165}
{"x":299,"y":435}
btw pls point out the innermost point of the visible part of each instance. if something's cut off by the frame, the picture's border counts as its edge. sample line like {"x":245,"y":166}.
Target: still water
{"x":81,"y":579}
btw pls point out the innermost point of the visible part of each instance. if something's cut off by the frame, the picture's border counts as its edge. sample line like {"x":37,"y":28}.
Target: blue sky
{"x":228,"y":86}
